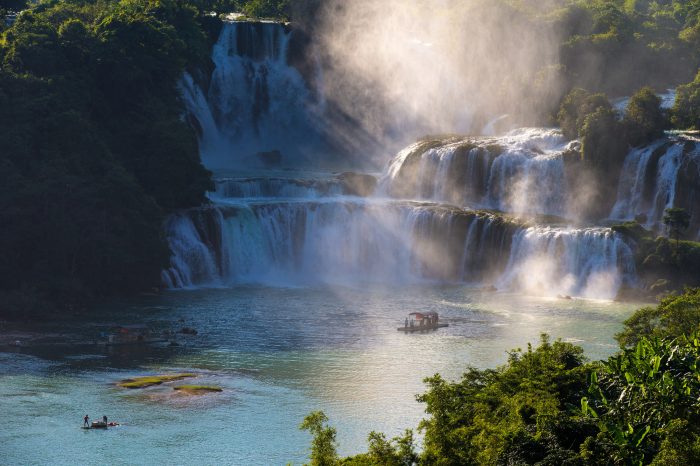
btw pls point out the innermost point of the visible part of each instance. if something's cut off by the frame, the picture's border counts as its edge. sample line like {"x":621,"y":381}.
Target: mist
{"x":402,"y":69}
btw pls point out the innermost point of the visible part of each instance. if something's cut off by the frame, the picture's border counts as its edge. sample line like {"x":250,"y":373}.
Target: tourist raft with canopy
{"x":419,"y":321}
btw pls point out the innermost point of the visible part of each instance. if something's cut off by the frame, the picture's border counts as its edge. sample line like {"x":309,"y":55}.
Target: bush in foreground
{"x":548,"y":406}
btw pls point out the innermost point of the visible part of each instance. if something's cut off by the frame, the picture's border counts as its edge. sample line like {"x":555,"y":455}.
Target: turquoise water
{"x":279,"y":354}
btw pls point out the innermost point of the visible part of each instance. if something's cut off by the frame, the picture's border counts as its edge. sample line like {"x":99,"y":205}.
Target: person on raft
{"x":86,"y":421}
{"x":104,"y":419}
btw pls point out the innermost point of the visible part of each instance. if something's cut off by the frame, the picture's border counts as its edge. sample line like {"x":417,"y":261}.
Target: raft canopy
{"x":422,"y":315}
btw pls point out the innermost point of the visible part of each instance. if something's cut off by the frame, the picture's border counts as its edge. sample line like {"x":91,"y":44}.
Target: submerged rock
{"x":149,"y":381}
{"x":197,"y":389}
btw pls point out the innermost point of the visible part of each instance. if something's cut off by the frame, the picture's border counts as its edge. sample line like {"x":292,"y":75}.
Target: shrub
{"x":686,"y":110}
{"x":644,"y":119}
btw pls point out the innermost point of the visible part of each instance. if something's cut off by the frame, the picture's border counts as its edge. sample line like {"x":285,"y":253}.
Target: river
{"x":278,"y":353}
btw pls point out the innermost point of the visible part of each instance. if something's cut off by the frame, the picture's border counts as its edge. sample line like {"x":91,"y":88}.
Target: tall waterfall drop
{"x":662,"y":175}
{"x":255,"y":101}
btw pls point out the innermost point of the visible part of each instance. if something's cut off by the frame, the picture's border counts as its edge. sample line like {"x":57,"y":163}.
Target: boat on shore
{"x":420,"y":322}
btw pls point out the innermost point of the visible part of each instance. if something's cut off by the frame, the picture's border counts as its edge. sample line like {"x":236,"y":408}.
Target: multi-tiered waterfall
{"x":484,"y":211}
{"x":350,"y":240}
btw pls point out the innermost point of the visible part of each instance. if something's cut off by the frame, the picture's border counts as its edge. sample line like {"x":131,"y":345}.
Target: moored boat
{"x":422,"y":321}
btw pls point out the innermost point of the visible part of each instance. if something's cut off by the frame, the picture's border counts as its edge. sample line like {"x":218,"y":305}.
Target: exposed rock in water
{"x":630,"y":294}
{"x":151,"y":380}
{"x":358,"y":184}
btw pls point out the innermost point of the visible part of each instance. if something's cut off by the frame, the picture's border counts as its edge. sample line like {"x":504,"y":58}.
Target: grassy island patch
{"x":149,"y":381}
{"x":197,"y":389}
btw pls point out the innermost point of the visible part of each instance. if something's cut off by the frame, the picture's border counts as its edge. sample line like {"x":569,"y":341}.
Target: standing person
{"x":86,"y":421}
{"x":104,"y":419}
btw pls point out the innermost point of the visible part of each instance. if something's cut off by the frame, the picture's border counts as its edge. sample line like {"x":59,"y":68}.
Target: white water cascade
{"x":591,"y":262}
{"x":657,"y":177}
{"x":255,"y":101}
{"x":521,"y":172}
{"x":343,"y":241}
{"x":300,"y":235}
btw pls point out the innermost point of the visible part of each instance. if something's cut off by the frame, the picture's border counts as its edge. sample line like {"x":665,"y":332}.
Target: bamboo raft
{"x":420,"y":328}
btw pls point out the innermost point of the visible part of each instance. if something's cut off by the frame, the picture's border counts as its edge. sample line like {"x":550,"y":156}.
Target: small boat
{"x":100,"y":425}
{"x":420,"y":322}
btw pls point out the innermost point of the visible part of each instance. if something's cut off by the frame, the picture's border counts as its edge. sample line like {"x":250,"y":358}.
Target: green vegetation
{"x":492,"y":413}
{"x":615,"y":47}
{"x":574,"y":109}
{"x":94,"y":150}
{"x":686,"y":109}
{"x":644,"y":119}
{"x":323,"y":447}
{"x":266,"y":8}
{"x":197,"y":389}
{"x":252,"y":9}
{"x":675,"y":315}
{"x":639,"y":400}
{"x":548,"y":406}
{"x":151,"y":380}
{"x":677,"y":220}
{"x":662,"y":266}
{"x":591,"y":118}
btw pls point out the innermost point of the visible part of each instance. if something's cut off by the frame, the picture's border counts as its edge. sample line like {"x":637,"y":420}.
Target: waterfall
{"x":256,"y":101}
{"x":656,"y":177}
{"x":592,"y":262}
{"x":421,"y":226}
{"x":351,"y":241}
{"x":328,"y":241}
{"x":521,"y":172}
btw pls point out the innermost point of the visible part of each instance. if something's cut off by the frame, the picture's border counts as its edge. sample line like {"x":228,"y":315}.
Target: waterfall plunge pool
{"x":278,"y":353}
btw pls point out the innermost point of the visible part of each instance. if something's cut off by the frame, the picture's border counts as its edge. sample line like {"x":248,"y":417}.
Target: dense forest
{"x":95,"y":153}
{"x":550,"y":406}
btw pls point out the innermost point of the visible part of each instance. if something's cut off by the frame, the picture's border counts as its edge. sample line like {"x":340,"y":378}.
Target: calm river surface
{"x":279,"y":353}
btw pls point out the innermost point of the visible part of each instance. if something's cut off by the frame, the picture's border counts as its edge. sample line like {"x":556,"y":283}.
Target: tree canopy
{"x":94,"y":150}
